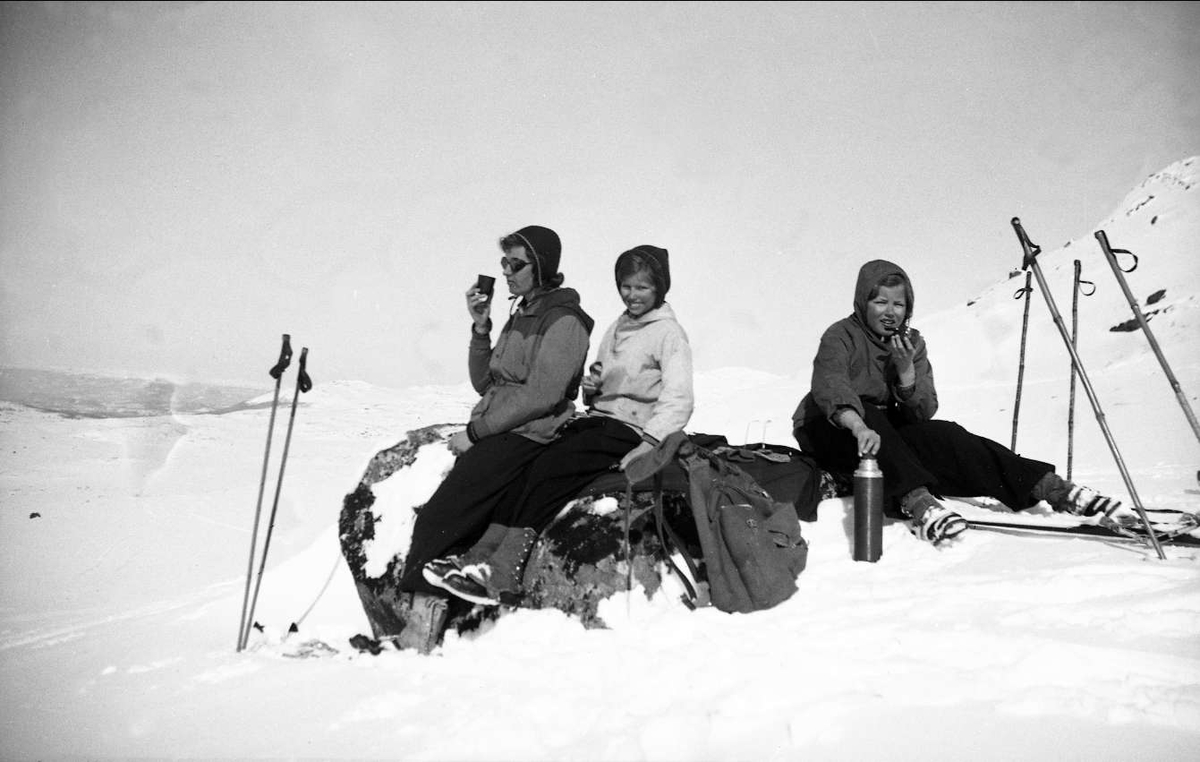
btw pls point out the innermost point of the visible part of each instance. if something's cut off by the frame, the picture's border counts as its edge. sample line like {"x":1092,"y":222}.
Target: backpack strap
{"x":690,"y":599}
{"x":625,"y":540}
{"x":650,"y":465}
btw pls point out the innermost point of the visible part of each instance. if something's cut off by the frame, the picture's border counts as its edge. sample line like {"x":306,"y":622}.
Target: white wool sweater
{"x":646,"y":374}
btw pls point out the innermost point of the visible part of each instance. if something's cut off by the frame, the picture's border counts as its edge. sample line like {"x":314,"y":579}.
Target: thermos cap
{"x":868,"y":466}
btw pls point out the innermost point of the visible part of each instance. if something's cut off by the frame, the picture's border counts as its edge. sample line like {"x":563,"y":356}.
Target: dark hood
{"x":869,"y":276}
{"x":545,"y":248}
{"x":543,"y":300}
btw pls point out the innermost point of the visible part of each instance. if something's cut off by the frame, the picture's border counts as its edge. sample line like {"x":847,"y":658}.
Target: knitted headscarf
{"x":545,"y":250}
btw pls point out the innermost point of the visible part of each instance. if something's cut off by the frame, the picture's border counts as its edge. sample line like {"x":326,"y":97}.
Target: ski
{"x":309,"y":649}
{"x":1087,"y":531}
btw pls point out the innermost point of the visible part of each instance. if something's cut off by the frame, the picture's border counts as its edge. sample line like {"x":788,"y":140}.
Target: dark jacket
{"x":529,"y":380}
{"x":853,"y":366}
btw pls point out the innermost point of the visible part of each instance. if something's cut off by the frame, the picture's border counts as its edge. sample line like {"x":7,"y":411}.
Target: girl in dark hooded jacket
{"x":873,"y":394}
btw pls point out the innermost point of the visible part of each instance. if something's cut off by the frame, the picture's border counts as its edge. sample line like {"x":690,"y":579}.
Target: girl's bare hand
{"x":903,"y":352}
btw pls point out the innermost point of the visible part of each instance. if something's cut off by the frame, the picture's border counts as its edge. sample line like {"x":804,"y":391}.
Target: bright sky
{"x":182,"y":183}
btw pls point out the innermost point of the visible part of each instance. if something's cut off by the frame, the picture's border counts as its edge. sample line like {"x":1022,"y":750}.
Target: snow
{"x":125,"y":547}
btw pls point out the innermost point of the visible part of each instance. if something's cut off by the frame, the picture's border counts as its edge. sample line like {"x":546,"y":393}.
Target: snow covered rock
{"x":577,"y":562}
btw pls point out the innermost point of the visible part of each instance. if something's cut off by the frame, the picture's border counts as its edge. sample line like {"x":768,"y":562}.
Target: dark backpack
{"x":751,"y":543}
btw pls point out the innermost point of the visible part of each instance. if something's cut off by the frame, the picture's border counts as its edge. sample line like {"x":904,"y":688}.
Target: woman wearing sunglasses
{"x":527,"y":382}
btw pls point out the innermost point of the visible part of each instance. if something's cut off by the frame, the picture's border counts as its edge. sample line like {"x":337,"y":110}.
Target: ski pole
{"x":1110,"y":255}
{"x":1075,"y":343}
{"x":1026,"y":291}
{"x":749,"y":423}
{"x":295,"y":626}
{"x":1031,"y":251}
{"x":303,"y":384}
{"x":285,"y":359}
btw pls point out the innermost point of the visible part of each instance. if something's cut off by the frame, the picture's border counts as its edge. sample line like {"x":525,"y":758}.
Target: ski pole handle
{"x":285,"y":358}
{"x":303,"y":382}
{"x":1102,"y":237}
{"x":1030,"y":248}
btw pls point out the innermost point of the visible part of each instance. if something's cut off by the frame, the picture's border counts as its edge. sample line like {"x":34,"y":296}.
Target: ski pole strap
{"x":1080,"y":282}
{"x":303,"y":382}
{"x":285,"y":358}
{"x":1027,"y":289}
{"x":1133,"y":266}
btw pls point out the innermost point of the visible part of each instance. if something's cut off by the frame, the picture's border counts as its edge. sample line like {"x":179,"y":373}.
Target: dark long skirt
{"x":587,"y":448}
{"x":465,"y":503}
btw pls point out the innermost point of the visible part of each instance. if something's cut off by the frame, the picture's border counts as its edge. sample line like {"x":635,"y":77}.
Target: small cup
{"x":486,"y":285}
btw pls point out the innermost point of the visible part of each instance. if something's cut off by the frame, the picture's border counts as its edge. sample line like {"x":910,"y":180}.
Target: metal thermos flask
{"x":868,"y":511}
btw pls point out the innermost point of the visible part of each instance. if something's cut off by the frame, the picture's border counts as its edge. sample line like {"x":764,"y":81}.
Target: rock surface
{"x":577,"y":562}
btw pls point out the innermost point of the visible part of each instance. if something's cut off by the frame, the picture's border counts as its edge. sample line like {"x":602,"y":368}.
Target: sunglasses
{"x":513,"y":265}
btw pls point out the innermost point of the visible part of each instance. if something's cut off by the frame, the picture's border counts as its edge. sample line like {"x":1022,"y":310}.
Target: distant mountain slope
{"x":84,"y":395}
{"x":975,"y":348}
